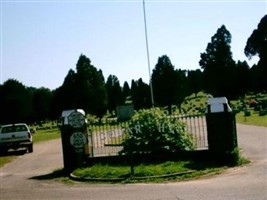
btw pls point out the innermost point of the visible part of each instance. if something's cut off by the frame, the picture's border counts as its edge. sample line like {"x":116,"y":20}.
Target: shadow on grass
{"x":203,"y":165}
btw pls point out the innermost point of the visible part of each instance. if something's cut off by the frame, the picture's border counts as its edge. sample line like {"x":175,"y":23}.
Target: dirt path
{"x":247,"y":182}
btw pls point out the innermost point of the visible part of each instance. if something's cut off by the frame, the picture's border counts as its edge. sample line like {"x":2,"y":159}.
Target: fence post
{"x":91,"y":142}
{"x":221,"y":127}
{"x":73,"y":137}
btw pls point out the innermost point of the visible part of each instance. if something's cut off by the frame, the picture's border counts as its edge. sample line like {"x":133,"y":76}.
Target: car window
{"x":20,"y":128}
{"x":7,"y":129}
{"x":16,"y":128}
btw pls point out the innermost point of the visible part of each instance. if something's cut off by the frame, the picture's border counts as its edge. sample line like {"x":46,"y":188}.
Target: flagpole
{"x":148,"y":60}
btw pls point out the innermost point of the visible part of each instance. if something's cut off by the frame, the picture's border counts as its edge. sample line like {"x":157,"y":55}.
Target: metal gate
{"x":106,"y":139}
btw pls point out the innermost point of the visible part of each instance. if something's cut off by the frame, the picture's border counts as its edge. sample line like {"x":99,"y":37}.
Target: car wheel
{"x":3,"y":151}
{"x":30,"y":148}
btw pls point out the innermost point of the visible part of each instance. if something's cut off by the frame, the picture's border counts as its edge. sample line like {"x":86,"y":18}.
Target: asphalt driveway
{"x":248,"y":182}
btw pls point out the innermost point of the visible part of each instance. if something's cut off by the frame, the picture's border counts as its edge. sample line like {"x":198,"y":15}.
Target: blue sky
{"x":42,"y":40}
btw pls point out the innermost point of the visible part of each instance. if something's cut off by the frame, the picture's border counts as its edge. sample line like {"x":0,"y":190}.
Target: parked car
{"x":15,"y":136}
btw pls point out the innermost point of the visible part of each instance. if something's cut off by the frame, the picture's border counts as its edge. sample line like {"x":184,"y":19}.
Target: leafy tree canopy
{"x":15,"y":102}
{"x":257,"y":45}
{"x":257,"y":42}
{"x":41,"y":102}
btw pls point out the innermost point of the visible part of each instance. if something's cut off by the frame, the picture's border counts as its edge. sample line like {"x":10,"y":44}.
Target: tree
{"x":195,"y":81}
{"x":83,"y":89}
{"x":254,"y":76}
{"x":168,"y":83}
{"x":114,"y":92}
{"x":218,"y":64}
{"x":242,"y":78}
{"x":15,"y":102}
{"x":140,"y":94}
{"x":90,"y":87}
{"x":181,"y":88}
{"x":41,"y":101}
{"x":257,"y":45}
{"x":126,"y":90}
{"x":65,"y":97}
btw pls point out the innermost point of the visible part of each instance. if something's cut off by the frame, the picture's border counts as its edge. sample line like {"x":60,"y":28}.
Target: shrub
{"x":252,"y":103}
{"x":247,"y":113}
{"x":263,"y":112}
{"x":152,"y":131}
{"x":236,"y":158}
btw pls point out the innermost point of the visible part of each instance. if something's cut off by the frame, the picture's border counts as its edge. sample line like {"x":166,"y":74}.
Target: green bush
{"x":263,"y":112}
{"x":236,"y":158}
{"x":152,"y":131}
{"x":247,"y":113}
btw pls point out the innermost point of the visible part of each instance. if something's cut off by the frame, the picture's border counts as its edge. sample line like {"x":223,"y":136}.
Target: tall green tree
{"x":140,"y":93}
{"x":91,"y":87}
{"x":257,"y":46}
{"x":218,"y":64}
{"x":126,"y":90}
{"x":242,"y":78}
{"x":181,"y":87}
{"x":254,"y":83}
{"x":164,"y":82}
{"x":195,"y":81}
{"x":65,"y":97}
{"x":114,"y":92}
{"x":41,"y":101}
{"x":15,"y":102}
{"x":168,"y":83}
{"x":83,"y":89}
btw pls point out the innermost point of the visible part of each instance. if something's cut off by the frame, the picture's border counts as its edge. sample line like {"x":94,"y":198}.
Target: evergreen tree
{"x":168,"y":84}
{"x":42,"y":100}
{"x":114,"y":92}
{"x":195,"y":81}
{"x":126,"y":90}
{"x":83,"y":89}
{"x":242,"y":78}
{"x":140,"y":94}
{"x":218,"y":64}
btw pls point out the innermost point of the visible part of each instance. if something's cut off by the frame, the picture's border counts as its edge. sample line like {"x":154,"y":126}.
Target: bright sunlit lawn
{"x":152,"y":172}
{"x":47,"y":134}
{"x":254,"y":119}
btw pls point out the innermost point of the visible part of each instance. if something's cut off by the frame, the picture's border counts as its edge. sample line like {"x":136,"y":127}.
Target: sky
{"x":41,"y":41}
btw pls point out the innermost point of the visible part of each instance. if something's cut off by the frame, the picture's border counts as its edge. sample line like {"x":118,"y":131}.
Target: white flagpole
{"x":148,"y":60}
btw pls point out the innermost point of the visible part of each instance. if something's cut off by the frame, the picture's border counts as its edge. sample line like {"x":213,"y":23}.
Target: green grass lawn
{"x":46,"y":134}
{"x":150,"y":172}
{"x":254,"y":119}
{"x":192,"y":104}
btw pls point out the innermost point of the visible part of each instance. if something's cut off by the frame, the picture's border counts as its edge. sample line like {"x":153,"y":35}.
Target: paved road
{"x":247,"y":182}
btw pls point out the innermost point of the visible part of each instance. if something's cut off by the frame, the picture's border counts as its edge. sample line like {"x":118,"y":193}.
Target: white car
{"x":15,"y":136}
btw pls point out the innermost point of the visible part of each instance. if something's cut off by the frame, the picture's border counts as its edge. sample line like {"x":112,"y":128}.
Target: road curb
{"x":86,"y":179}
